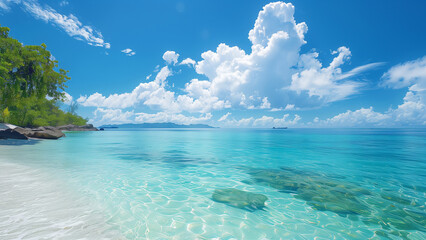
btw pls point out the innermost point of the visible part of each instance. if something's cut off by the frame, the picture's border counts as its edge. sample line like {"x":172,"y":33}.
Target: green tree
{"x":29,"y":75}
{"x":6,"y":114}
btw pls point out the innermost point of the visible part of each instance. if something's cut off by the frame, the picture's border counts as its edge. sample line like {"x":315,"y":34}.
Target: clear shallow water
{"x":158,"y":184}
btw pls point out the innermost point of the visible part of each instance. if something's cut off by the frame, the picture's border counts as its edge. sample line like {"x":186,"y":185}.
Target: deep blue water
{"x":158,"y":183}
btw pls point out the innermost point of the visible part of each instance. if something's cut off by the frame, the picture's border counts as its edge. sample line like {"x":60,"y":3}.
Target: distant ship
{"x":279,"y":128}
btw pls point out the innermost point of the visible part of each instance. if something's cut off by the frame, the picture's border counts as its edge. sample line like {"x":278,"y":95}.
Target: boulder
{"x":72,"y":127}
{"x":12,"y":134}
{"x":240,"y":199}
{"x":25,"y":133}
{"x":4,"y":126}
{"x":45,"y":133}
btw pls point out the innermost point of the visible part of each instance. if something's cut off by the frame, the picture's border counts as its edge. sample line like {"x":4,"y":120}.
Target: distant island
{"x":156,"y":125}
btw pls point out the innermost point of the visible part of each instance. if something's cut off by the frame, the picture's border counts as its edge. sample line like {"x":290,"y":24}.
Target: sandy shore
{"x":35,"y":206}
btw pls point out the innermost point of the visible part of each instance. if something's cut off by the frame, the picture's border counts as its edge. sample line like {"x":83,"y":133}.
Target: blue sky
{"x":236,"y":63}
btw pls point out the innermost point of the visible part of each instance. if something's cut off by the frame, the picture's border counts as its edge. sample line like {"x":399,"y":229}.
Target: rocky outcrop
{"x":4,"y":126}
{"x":45,"y":133}
{"x":48,"y":132}
{"x":12,"y":134}
{"x":71,"y":127}
{"x":25,"y":133}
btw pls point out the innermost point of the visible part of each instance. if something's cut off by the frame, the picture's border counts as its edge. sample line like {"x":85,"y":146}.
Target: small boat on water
{"x":279,"y":128}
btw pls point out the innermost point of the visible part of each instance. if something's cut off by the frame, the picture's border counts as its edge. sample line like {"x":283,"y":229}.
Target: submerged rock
{"x":321,"y":193}
{"x":390,"y":210}
{"x":415,"y":188}
{"x":396,"y":198}
{"x":240,"y":199}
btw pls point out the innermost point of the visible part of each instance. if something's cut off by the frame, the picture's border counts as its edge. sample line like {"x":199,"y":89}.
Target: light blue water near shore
{"x":158,"y":183}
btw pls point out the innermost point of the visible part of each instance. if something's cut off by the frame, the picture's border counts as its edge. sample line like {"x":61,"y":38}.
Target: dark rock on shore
{"x":45,"y":133}
{"x":8,"y":131}
{"x":71,"y":127}
{"x":12,"y":134}
{"x":25,"y":133}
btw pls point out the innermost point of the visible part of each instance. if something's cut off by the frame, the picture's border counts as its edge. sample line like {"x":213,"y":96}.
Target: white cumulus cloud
{"x":168,"y":117}
{"x":275,"y":68}
{"x":171,"y":57}
{"x":266,"y":121}
{"x":155,"y":95}
{"x":412,"y":73}
{"x":359,"y":118}
{"x":324,"y":83}
{"x":412,"y":110}
{"x":261,"y":122}
{"x":129,"y":52}
{"x":188,"y":61}
{"x":273,"y":75}
{"x":68,"y":98}
{"x":224,"y":117}
{"x":111,"y":116}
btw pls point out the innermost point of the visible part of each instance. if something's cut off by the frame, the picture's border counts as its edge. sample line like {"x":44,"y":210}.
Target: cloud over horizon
{"x":411,"y":112}
{"x":274,"y":76}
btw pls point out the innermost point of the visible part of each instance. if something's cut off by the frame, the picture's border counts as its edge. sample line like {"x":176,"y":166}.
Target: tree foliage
{"x":31,"y":85}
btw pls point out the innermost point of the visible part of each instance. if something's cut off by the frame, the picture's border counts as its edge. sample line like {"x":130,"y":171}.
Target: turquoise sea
{"x":158,"y":184}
